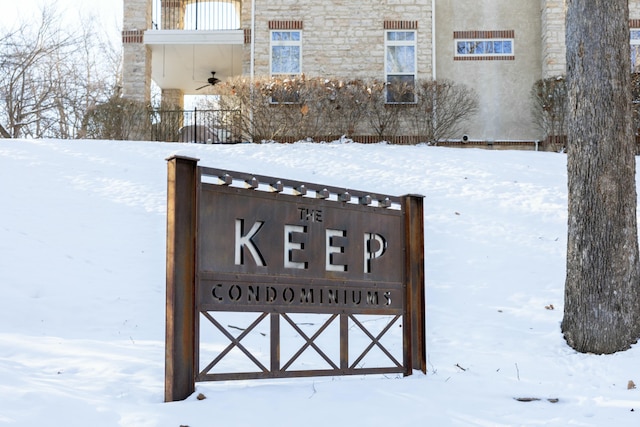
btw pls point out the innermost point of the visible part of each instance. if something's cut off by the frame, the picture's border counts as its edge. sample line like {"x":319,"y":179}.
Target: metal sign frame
{"x":238,"y":242}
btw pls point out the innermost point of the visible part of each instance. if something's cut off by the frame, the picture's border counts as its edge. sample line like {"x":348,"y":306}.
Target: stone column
{"x":173,"y":99}
{"x":172,"y":14}
{"x":136,"y":62}
{"x":553,"y":33}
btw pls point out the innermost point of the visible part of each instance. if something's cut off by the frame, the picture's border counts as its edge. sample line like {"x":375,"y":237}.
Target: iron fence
{"x":197,"y":126}
{"x":205,"y":15}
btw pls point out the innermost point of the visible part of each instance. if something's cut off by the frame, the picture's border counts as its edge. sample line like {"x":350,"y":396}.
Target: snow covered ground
{"x":82,"y":280}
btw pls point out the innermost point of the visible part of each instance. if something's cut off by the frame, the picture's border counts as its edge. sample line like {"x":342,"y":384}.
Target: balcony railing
{"x":196,"y":15}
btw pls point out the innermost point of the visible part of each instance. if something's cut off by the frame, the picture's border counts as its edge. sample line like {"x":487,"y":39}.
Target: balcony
{"x":204,"y":15}
{"x":189,"y":39}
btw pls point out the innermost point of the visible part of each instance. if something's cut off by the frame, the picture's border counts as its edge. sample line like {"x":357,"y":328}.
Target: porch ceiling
{"x":185,"y":59}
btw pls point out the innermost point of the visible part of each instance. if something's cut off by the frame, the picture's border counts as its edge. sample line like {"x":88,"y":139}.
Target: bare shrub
{"x":349,"y":101}
{"x":165,"y":123}
{"x":117,"y":119}
{"x":549,"y":97}
{"x":381,"y":116}
{"x":273,"y":108}
{"x":301,"y":108}
{"x":258,"y":119}
{"x":440,"y":110}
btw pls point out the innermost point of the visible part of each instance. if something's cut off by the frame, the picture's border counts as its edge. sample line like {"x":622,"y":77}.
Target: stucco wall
{"x":503,"y":86}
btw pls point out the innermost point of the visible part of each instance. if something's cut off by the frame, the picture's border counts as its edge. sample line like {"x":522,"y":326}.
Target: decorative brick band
{"x":413,"y":140}
{"x":362,"y":139}
{"x":247,"y":36}
{"x":400,"y":25}
{"x":132,"y":36}
{"x":492,"y":34}
{"x":285,"y":25}
{"x":485,"y":58}
{"x":634,"y":23}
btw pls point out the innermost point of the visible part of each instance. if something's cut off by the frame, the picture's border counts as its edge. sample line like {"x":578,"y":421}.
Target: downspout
{"x":433,"y":39}
{"x":433,"y":53}
{"x":253,"y":39}
{"x":253,"y":62}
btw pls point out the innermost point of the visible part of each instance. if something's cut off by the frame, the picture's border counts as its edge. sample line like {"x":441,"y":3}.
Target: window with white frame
{"x":486,"y":47}
{"x":400,"y":66}
{"x":286,"y":52}
{"x":635,"y":50}
{"x":286,"y":57}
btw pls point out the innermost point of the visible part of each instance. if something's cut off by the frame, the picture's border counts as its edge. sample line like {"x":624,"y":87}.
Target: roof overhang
{"x":185,"y":59}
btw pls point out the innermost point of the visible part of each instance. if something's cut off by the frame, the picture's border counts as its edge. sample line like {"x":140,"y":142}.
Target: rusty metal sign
{"x":246,"y":243}
{"x":275,"y":252}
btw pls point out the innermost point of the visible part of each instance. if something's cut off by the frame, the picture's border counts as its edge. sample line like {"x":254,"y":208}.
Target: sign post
{"x":180,"y":342}
{"x":414,"y":259}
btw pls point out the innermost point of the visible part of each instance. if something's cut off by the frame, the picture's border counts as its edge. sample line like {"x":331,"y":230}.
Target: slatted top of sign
{"x":280,"y":245}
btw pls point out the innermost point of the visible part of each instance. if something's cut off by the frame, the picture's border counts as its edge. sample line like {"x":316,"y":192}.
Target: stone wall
{"x":553,"y":33}
{"x":136,"y":61}
{"x":634,"y":9}
{"x":173,"y":99}
{"x":341,"y":38}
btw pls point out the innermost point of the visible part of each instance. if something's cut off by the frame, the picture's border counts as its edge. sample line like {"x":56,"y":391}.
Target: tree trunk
{"x":602,"y":290}
{"x":4,"y":133}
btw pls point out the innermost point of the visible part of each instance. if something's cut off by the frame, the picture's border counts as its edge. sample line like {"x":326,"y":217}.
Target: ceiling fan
{"x":211,"y":81}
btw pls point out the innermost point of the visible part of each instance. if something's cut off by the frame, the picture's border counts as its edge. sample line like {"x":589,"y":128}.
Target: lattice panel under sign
{"x":263,"y":345}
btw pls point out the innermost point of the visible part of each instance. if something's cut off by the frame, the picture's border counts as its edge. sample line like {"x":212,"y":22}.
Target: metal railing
{"x":197,"y":126}
{"x":204,"y":15}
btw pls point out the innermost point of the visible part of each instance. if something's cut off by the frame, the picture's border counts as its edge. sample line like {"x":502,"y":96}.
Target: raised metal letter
{"x":374,"y":247}
{"x":248,"y":242}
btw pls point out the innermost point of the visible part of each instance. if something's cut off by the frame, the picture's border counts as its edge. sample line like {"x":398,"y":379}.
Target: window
{"x":484,"y":47}
{"x":635,"y":50}
{"x":400,"y":66}
{"x":286,"y":52}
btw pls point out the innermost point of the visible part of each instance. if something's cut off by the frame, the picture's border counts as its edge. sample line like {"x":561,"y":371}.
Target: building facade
{"x":497,"y":47}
